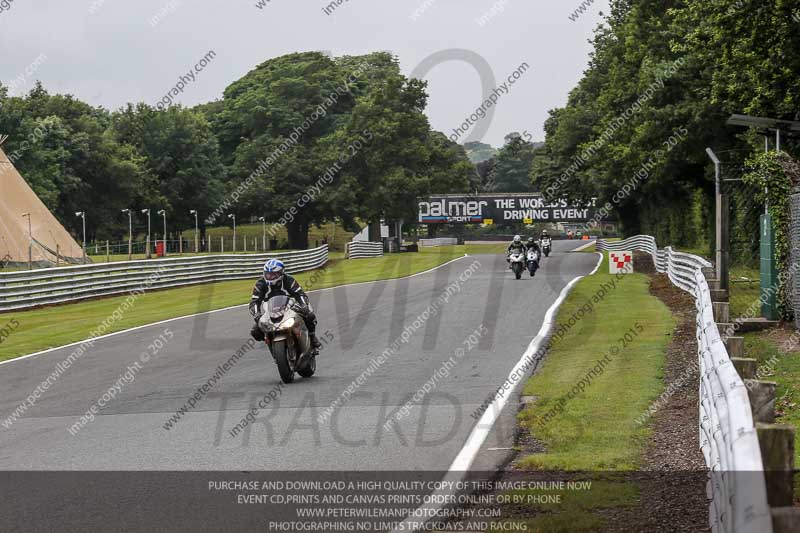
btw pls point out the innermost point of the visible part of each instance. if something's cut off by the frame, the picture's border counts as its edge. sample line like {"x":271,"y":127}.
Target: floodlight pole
{"x":196,"y":231}
{"x":130,"y":233}
{"x":233,"y":217}
{"x":721,"y":233}
{"x":30,"y":241}
{"x":82,"y":214}
{"x":147,"y":244}
{"x":163,"y":213}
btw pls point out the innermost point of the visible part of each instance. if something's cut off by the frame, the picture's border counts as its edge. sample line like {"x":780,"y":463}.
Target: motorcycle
{"x":287,"y":337}
{"x":516,"y":262}
{"x":547,"y":246}
{"x":533,"y":262}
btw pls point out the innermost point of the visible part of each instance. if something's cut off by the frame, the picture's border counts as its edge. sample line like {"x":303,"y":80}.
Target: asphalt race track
{"x":292,"y":433}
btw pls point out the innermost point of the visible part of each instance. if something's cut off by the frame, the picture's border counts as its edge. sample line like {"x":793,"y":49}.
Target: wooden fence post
{"x":762,"y":399}
{"x":777,"y":453}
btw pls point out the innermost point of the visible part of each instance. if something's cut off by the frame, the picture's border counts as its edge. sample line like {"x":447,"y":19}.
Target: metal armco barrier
{"x":362,"y":249}
{"x":728,"y":436}
{"x":32,"y":288}
{"x":440,"y":241}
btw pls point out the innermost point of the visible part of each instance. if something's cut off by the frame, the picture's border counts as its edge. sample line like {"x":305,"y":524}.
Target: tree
{"x":278,"y":118}
{"x":181,"y":156}
{"x":61,"y":147}
{"x":513,"y":166}
{"x":404,"y":159}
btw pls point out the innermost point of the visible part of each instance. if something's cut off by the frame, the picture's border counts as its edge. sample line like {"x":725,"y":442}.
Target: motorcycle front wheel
{"x":280,"y":351}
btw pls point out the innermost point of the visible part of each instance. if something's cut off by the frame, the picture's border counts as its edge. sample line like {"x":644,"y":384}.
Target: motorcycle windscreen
{"x":276,"y":307}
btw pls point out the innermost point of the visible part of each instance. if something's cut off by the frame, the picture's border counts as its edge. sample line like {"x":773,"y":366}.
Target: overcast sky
{"x":115,"y":55}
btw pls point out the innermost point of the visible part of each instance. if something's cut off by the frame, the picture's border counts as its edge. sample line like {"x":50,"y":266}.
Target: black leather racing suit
{"x":533,"y":246}
{"x":287,"y":286}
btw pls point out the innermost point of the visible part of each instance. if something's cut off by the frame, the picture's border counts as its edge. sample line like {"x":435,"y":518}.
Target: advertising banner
{"x":501,"y":209}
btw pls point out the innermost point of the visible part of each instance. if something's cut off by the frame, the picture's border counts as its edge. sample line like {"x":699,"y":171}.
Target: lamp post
{"x":82,"y":214}
{"x":130,"y":233}
{"x":264,"y":226}
{"x":147,"y":243}
{"x":163,"y":213}
{"x":30,"y":241}
{"x":196,"y":231}
{"x":721,"y":254}
{"x":233,"y":217}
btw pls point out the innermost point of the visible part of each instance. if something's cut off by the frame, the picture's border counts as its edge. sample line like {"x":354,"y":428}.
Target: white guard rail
{"x":440,"y":241}
{"x":362,"y":249}
{"x":32,"y":288}
{"x":728,"y":436}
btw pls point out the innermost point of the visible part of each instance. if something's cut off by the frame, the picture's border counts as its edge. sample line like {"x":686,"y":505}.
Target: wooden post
{"x":222,"y":244}
{"x":58,"y":255}
{"x":777,"y":452}
{"x":734,"y":346}
{"x":726,"y":329}
{"x":722,"y":311}
{"x":180,"y":244}
{"x":720,"y":295}
{"x":108,"y":253}
{"x":762,"y":399}
{"x":745,"y":367}
{"x":244,"y":242}
{"x":785,"y":519}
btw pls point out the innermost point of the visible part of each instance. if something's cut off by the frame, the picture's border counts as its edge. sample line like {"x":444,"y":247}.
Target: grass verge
{"x":44,"y":328}
{"x":594,"y":429}
{"x":778,"y":356}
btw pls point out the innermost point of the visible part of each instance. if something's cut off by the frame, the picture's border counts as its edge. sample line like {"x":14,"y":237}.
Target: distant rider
{"x":276,"y":282}
{"x":516,"y":247}
{"x":544,"y":238}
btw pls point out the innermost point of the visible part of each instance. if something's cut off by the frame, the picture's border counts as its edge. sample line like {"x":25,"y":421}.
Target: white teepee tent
{"x":49,"y":236}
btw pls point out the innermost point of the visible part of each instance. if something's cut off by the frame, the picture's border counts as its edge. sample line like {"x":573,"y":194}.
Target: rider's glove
{"x":253,"y":308}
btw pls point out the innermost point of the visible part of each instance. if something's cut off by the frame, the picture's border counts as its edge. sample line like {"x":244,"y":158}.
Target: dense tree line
{"x":301,"y":139}
{"x":662,"y":80}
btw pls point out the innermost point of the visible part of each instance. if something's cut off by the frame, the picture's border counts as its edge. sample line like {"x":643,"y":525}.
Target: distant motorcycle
{"x":547,"y":246}
{"x":517,"y":263}
{"x":287,"y":337}
{"x":532,"y":262}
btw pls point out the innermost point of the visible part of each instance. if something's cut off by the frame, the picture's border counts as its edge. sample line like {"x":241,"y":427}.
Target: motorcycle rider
{"x":516,"y":247}
{"x":277,"y":282}
{"x":532,"y":245}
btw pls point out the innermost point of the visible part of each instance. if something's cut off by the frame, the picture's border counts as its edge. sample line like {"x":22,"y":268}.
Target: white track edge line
{"x":481,"y":430}
{"x":136,"y":328}
{"x":585,"y":246}
{"x":477,"y":436}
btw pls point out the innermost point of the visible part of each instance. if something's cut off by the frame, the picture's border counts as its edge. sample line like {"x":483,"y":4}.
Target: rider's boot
{"x":315,"y":344}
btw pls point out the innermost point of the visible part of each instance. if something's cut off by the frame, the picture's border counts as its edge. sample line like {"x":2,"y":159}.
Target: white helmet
{"x":517,"y":239}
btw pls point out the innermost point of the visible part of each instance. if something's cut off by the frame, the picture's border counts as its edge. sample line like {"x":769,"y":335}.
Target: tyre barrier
{"x":363,"y":249}
{"x":728,"y":437}
{"x":33,"y":288}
